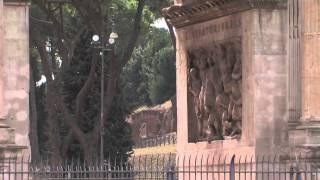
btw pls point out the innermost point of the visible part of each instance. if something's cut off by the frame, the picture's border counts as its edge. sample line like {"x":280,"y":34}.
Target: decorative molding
{"x":15,"y":2}
{"x":203,"y":10}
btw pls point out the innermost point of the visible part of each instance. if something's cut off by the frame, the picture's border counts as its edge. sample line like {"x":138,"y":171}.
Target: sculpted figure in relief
{"x":195,"y":88}
{"x":214,"y":80}
{"x":215,"y":88}
{"x":198,"y":72}
{"x":232,"y":84}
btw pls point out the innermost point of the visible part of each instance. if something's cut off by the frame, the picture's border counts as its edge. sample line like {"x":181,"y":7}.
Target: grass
{"x":155,"y":150}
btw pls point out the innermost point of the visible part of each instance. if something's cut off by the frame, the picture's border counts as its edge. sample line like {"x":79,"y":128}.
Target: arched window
{"x":143,"y":130}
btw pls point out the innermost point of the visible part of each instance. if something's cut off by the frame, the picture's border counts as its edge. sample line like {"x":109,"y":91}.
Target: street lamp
{"x":48,"y":46}
{"x":100,"y":44}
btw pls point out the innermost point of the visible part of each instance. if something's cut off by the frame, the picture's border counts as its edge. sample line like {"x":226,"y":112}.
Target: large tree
{"x":68,"y":27}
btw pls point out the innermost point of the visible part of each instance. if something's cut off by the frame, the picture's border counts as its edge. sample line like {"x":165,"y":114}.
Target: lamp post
{"x":100,"y":44}
{"x":48,"y":46}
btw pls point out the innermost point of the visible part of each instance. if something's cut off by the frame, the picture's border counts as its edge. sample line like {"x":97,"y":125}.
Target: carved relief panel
{"x":214,"y":85}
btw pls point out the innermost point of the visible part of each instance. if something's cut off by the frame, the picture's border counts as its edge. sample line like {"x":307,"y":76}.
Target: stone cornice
{"x":203,"y":10}
{"x":15,"y":2}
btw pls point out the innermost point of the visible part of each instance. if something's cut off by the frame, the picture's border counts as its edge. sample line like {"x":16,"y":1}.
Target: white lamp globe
{"x":48,"y":46}
{"x":95,"y":38}
{"x":113,"y":35}
{"x":111,"y":41}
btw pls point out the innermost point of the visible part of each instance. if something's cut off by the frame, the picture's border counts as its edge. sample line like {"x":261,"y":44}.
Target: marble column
{"x":2,"y":116}
{"x":310,"y":74}
{"x":294,"y":64}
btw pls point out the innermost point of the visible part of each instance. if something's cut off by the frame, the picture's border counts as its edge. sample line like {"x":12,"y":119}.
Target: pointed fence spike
{"x":201,"y":160}
{"x":213,"y":162}
{"x":178,"y":159}
{"x":232,"y":168}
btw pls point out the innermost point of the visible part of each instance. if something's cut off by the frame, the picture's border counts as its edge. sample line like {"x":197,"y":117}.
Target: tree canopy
{"x":149,"y":76}
{"x":65,"y":109}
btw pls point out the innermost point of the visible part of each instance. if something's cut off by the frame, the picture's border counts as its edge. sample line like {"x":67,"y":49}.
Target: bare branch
{"x":56,"y":98}
{"x":43,"y":55}
{"x":80,"y":136}
{"x":134,"y":34}
{"x":85,"y":90}
{"x":61,"y":43}
{"x":74,"y":41}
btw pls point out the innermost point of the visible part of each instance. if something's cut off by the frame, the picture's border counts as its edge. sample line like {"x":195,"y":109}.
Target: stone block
{"x":7,"y":136}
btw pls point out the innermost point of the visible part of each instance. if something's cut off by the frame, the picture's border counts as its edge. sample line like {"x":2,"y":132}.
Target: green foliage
{"x":150,"y":74}
{"x":162,"y":81}
{"x":118,"y":131}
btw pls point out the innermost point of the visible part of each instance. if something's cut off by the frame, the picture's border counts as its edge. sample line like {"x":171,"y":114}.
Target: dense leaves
{"x":149,"y":76}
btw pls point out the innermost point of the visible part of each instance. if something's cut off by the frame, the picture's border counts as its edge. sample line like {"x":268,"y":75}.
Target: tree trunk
{"x":33,"y":135}
{"x":53,"y":128}
{"x":90,"y":151}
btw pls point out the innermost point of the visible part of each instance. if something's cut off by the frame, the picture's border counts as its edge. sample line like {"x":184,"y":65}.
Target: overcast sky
{"x":160,"y":23}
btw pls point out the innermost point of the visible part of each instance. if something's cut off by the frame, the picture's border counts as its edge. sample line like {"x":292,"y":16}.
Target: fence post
{"x":232,"y":168}
{"x":295,"y":173}
{"x":170,"y":172}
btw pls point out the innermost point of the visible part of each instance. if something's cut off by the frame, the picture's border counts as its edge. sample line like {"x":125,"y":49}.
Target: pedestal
{"x":262,"y":34}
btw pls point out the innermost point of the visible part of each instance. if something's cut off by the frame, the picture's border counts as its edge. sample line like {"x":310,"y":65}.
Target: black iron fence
{"x":167,"y":139}
{"x":168,"y":167}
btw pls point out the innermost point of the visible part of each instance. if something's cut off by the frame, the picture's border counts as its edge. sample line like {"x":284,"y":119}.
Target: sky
{"x":160,"y":23}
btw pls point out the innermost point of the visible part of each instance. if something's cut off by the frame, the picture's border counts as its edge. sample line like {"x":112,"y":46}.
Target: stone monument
{"x":304,"y":69}
{"x":14,"y":77}
{"x":247,"y":76}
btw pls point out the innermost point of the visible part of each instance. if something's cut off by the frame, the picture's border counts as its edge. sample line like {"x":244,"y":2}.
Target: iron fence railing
{"x":168,"y":167}
{"x":157,"y":141}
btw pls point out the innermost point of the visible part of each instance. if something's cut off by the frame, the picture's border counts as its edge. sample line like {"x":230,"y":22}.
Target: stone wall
{"x":267,"y":80}
{"x":14,"y":69}
{"x":150,"y":119}
{"x":153,"y":122}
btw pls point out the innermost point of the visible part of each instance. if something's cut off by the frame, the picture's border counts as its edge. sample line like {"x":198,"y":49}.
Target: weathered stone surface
{"x":151,"y":122}
{"x":16,"y":73}
{"x":190,"y":12}
{"x":307,"y":133}
{"x":311,"y":77}
{"x":2,"y":114}
{"x":14,"y":76}
{"x":264,"y":77}
{"x":7,"y":136}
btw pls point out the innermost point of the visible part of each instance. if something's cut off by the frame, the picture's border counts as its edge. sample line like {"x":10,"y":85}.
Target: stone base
{"x":220,"y":148}
{"x":6,"y":134}
{"x":306,"y":135}
{"x":8,"y":148}
{"x":11,"y":156}
{"x":11,"y":150}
